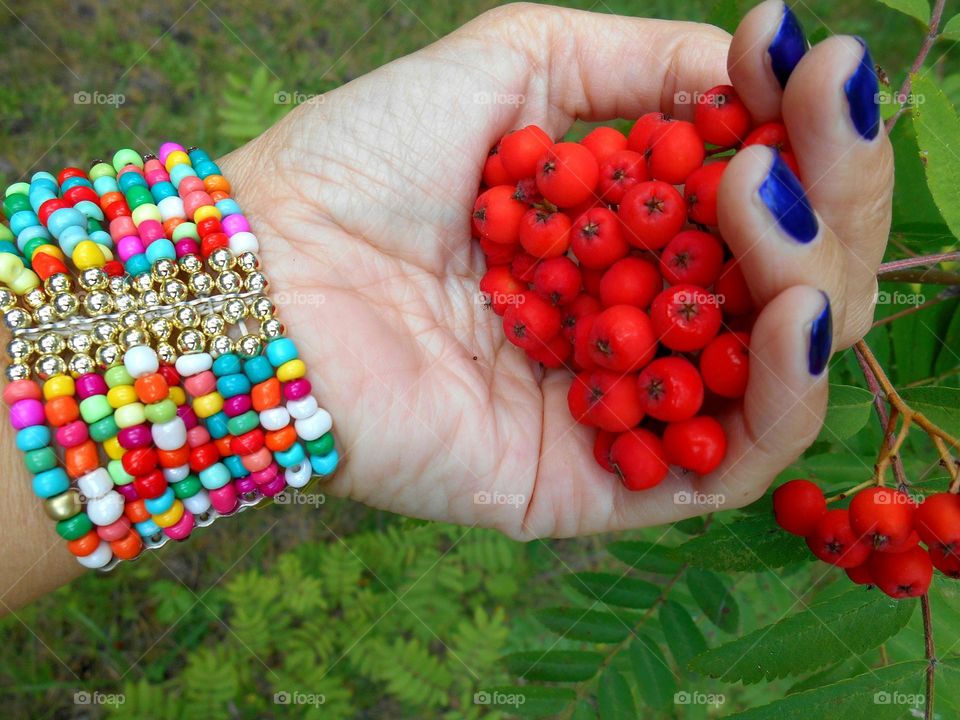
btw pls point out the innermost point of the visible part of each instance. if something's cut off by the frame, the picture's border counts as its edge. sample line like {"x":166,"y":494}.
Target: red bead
{"x":116,"y":209}
{"x":247,"y":443}
{"x":69,"y":172}
{"x":49,"y":207}
{"x":149,"y":485}
{"x":209,"y":226}
{"x":79,"y":193}
{"x":170,"y":374}
{"x":46,"y":265}
{"x":114,"y":268}
{"x":174,"y":458}
{"x":140,"y":461}
{"x":213,"y":241}
{"x":203,"y":456}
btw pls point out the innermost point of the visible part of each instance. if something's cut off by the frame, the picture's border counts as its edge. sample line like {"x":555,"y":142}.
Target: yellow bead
{"x":58,"y":386}
{"x":10,"y":267}
{"x":177,"y":157}
{"x":207,"y":405}
{"x":171,"y":516}
{"x":50,"y":250}
{"x":206,"y":211}
{"x":178,"y":396}
{"x":291,"y":370}
{"x":113,"y":448}
{"x":149,"y":211}
{"x":23,"y":283}
{"x":121,"y":395}
{"x":130,"y":415}
{"x":88,"y":255}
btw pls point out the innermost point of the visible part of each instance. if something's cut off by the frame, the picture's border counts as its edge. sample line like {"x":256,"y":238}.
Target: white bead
{"x":242,"y":242}
{"x":176,"y":474}
{"x":141,"y":360}
{"x":98,"y":558}
{"x":193,"y":363}
{"x":274,"y":418}
{"x":171,"y":207}
{"x":298,"y":475}
{"x":197,"y":504}
{"x":107,"y":509}
{"x":95,"y":484}
{"x":171,"y":435}
{"x":314,"y":426}
{"x":302,"y":408}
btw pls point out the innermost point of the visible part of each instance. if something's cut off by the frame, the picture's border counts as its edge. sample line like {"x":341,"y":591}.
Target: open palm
{"x":362,"y":201}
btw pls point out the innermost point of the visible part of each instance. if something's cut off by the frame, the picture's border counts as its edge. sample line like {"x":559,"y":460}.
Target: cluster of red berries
{"x":877,"y":539}
{"x":598,"y":263}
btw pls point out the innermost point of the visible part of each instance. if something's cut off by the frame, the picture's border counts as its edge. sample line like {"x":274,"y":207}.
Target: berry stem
{"x":889,"y":450}
{"x":881,"y":409}
{"x":930,"y":652}
{"x":929,"y":276}
{"x":917,"y":261}
{"x":852,"y":491}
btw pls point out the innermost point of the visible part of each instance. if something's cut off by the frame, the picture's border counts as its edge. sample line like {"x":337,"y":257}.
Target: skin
{"x":361,"y":204}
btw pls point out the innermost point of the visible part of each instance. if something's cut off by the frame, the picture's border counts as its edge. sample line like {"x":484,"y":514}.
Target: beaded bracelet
{"x":143,"y":403}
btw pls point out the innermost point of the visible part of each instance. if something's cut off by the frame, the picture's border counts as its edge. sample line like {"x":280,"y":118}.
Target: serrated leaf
{"x":683,"y":636}
{"x":714,"y":598}
{"x":554,"y":665}
{"x":528,"y":700}
{"x":619,"y":590}
{"x":938,"y":130}
{"x":916,"y":219}
{"x":613,"y":697}
{"x":940,"y":404}
{"x":644,"y":556}
{"x":919,"y":9}
{"x":810,"y":639}
{"x":592,"y":626}
{"x":951,"y":30}
{"x":653,"y":676}
{"x":848,"y":410}
{"x":752,"y":543}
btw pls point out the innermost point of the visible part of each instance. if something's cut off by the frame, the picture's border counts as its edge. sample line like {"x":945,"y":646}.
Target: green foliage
{"x":918,"y":9}
{"x":750,"y":543}
{"x":848,"y":410}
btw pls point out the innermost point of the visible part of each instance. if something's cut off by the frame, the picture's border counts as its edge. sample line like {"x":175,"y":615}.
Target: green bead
{"x":93,"y":225}
{"x":33,"y":244}
{"x":40,"y":460}
{"x":243,"y":423}
{"x":15,"y":203}
{"x":119,"y":475}
{"x":125,"y":157}
{"x":188,"y":487}
{"x":75,"y":527}
{"x":185,"y":230}
{"x":321,"y":446}
{"x":104,"y":429}
{"x":161,"y":412}
{"x":100,"y":170}
{"x":18,"y":188}
{"x":137,"y":196}
{"x":95,"y":408}
{"x":118,"y":375}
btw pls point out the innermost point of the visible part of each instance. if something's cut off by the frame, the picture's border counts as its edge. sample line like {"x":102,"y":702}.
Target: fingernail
{"x":788,"y":46}
{"x":783,"y":195}
{"x":821,"y":339}
{"x":861,"y":90}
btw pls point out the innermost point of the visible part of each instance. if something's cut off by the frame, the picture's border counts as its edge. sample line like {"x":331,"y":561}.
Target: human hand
{"x":362,"y":207}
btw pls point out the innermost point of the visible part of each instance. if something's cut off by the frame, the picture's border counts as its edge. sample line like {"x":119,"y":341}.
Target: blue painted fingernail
{"x":788,"y":46}
{"x":821,"y":339}
{"x":783,"y":195}
{"x":862,"y":90}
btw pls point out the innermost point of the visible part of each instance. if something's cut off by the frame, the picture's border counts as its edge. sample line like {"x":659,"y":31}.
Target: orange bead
{"x":174,"y":458}
{"x":218,"y":195}
{"x":129,"y":547}
{"x":85,"y":544}
{"x":151,"y":388}
{"x":136,"y":511}
{"x":170,"y":225}
{"x":223,"y":445}
{"x":61,"y":410}
{"x":216,"y":182}
{"x":109,"y":198}
{"x":266,"y":395}
{"x":281,"y":439}
{"x":81,"y":459}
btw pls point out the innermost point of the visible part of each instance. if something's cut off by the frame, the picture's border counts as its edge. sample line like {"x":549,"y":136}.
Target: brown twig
{"x":929,"y":276}
{"x":879,"y":406}
{"x":930,"y":653}
{"x":918,"y":261}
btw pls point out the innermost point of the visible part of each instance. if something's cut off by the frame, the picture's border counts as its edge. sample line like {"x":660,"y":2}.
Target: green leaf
{"x":916,"y":219}
{"x":882,"y":694}
{"x":940,"y":404}
{"x":554,"y":665}
{"x":951,"y":30}
{"x":683,"y":636}
{"x":651,"y":673}
{"x":810,"y":639}
{"x":614,"y":698}
{"x":644,"y":556}
{"x":753,"y":543}
{"x":619,"y":590}
{"x":919,"y":9}
{"x":848,"y":410}
{"x":715,"y":599}
{"x":938,"y":128}
{"x":587,"y":625}
{"x":725,"y":14}
{"x":526,"y":700}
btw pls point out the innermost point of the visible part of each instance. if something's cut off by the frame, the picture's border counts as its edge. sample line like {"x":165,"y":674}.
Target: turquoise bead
{"x":159,"y":249}
{"x":51,"y":482}
{"x":324,"y":464}
{"x":197,"y":155}
{"x":105,"y":184}
{"x":63,"y":218}
{"x":71,"y":237}
{"x":8,"y":247}
{"x":243,"y":423}
{"x":179,"y":172}
{"x":215,"y":476}
{"x":22,"y":220}
{"x":39,"y":195}
{"x":37,"y":461}
{"x":229,"y":206}
{"x":103,"y":429}
{"x":258,"y":369}
{"x":72,"y":182}
{"x":147,"y":528}
{"x":138,"y":264}
{"x":91,"y":211}
{"x":160,"y":504}
{"x":206,"y":167}
{"x":280,"y":351}
{"x":119,"y":475}
{"x":29,"y":234}
{"x":230,"y":385}
{"x":42,"y":178}
{"x":218,"y":425}
{"x":162,"y":190}
{"x":234,"y":464}
{"x":95,"y":408}
{"x":226,"y":364}
{"x":101,"y":237}
{"x":291,"y":456}
{"x":33,"y":438}
{"x":131,"y":180}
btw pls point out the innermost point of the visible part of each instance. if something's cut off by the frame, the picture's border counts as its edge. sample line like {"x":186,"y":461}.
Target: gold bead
{"x":191,"y":264}
{"x":51,"y":343}
{"x":131,"y":337}
{"x":45,"y":314}
{"x":229,"y":281}
{"x":80,"y":342}
{"x":220,"y":345}
{"x":190,"y":341}
{"x":49,"y":365}
{"x":125,"y":302}
{"x":17,"y":371}
{"x":200,"y":284}
{"x":167,"y":353}
{"x":213,"y":325}
{"x":149,"y":299}
{"x":249,"y":345}
{"x":163,"y":269}
{"x":19,"y":349}
{"x":63,"y":506}
{"x":7,"y":299}
{"x":104,"y":331}
{"x":93,"y":279}
{"x":57,"y":284}
{"x":234,"y":310}
{"x":248,"y":262}
{"x":120,"y":284}
{"x":160,"y":328}
{"x":81,"y":365}
{"x":108,"y":355}
{"x":35,"y":298}
{"x":98,"y":302}
{"x":221,"y":259}
{"x":143,"y":283}
{"x":186,"y":317}
{"x":17,"y":319}
{"x":130,"y":319}
{"x":271,"y":328}
{"x":65,"y":304}
{"x":262,"y":308}
{"x":256,"y":281}
{"x":173,"y":291}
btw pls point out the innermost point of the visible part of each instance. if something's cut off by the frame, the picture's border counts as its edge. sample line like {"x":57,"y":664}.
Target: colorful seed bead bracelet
{"x":151,"y":385}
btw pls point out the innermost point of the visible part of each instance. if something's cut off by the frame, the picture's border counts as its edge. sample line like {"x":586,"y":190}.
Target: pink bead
{"x":128,"y":491}
{"x":155,"y":172}
{"x":265,"y":475}
{"x":258,"y":460}
{"x":296,"y":389}
{"x":129,"y":246}
{"x":195,"y":200}
{"x":167,"y":148}
{"x":237,"y":405}
{"x":232,"y":224}
{"x":122,"y":226}
{"x":181,"y":529}
{"x":150,"y":230}
{"x":115,"y":530}
{"x":189,"y":417}
{"x":21,"y":390}
{"x":136,"y":436}
{"x":26,"y":413}
{"x":197,"y":436}
{"x":224,"y":500}
{"x":91,"y":384}
{"x":187,"y":246}
{"x":130,"y":169}
{"x":201,"y":384}
{"x":190,"y":184}
{"x":245,"y":485}
{"x":274,"y":487}
{"x":72,"y":434}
